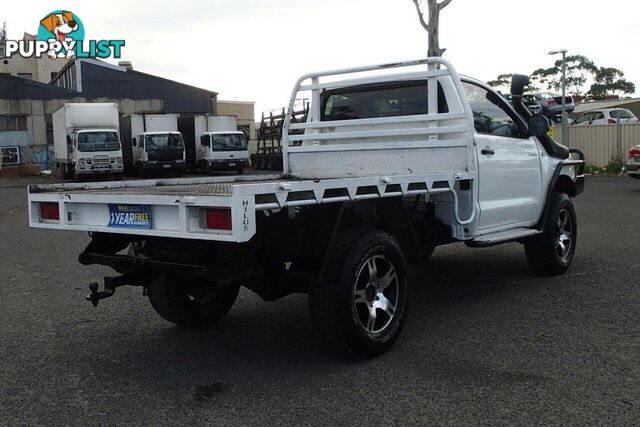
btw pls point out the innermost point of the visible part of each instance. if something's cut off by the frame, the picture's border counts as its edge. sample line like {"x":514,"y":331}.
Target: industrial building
{"x":42,"y":69}
{"x":26,"y":105}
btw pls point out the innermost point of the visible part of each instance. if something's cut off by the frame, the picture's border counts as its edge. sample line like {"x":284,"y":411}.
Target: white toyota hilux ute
{"x":394,"y":160}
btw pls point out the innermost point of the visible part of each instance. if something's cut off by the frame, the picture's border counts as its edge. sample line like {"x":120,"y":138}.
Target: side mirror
{"x":538,"y":126}
{"x":134,"y":142}
{"x":204,"y":141}
{"x":69,"y":146}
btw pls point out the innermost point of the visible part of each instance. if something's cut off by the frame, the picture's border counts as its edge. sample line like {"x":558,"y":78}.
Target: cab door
{"x":509,"y":175}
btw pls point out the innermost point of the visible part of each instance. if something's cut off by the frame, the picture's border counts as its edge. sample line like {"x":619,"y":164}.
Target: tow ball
{"x":110,"y":285}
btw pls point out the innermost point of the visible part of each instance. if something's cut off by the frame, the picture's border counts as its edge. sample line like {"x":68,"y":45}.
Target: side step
{"x":502,"y":237}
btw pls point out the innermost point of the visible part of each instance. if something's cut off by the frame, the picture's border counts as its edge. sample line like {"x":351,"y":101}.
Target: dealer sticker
{"x":129,"y":216}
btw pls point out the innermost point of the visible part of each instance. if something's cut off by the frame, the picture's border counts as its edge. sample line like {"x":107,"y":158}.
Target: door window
{"x":582,"y":118}
{"x":597,"y":116}
{"x":490,"y":115}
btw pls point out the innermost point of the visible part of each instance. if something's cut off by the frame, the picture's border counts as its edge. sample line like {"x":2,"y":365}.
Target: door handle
{"x":487,"y":151}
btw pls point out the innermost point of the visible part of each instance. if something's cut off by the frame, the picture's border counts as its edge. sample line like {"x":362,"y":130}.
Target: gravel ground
{"x":486,"y":341}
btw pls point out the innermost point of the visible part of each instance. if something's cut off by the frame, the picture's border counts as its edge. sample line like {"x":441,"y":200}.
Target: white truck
{"x":223,"y":146}
{"x":388,"y":166}
{"x":152,"y":143}
{"x":86,"y":140}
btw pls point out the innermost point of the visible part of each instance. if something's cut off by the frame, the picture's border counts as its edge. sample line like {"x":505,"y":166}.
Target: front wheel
{"x":360,"y":301}
{"x":190,"y":302}
{"x":551,"y":252}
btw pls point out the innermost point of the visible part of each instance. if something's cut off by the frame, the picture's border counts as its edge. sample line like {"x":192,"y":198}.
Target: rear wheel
{"x":551,"y":253}
{"x":190,"y":302}
{"x":360,"y":301}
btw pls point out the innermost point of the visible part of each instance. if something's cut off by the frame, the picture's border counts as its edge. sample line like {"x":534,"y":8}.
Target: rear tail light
{"x":611,"y":121}
{"x":50,"y":211}
{"x":217,"y":218}
{"x":552,"y":102}
{"x":634,"y":152}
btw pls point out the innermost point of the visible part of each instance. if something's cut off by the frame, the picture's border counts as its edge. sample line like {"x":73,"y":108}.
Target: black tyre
{"x":190,"y":302}
{"x":551,"y":253}
{"x":359,"y":303}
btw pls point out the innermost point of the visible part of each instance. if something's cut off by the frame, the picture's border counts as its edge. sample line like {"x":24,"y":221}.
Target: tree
{"x":503,"y":84}
{"x":580,"y":70}
{"x":610,"y":81}
{"x":584,"y":78}
{"x":3,"y":32}
{"x":432,"y":27}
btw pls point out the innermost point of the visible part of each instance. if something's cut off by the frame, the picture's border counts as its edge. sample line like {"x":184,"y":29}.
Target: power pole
{"x":433,"y":24}
{"x":565,"y":119}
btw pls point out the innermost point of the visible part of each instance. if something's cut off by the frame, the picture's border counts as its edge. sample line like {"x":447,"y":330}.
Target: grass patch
{"x":614,"y":167}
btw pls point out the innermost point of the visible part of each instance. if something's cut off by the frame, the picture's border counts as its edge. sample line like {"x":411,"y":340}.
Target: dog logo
{"x":62,"y":26}
{"x":61,"y":35}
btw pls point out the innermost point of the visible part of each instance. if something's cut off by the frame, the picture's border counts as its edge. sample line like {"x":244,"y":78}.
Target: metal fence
{"x":603,"y":143}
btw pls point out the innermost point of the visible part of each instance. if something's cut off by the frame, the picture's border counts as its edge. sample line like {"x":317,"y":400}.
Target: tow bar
{"x":110,"y":285}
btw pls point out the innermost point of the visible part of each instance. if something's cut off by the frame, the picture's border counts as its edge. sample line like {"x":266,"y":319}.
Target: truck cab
{"x":224,"y":150}
{"x":159,"y":151}
{"x":96,"y":151}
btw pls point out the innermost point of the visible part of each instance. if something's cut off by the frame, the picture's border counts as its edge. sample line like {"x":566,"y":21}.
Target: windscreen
{"x":163,"y":142}
{"x":229,"y":142}
{"x":98,"y":141}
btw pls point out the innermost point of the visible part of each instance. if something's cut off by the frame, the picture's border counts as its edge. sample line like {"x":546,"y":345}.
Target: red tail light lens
{"x":634,"y":152}
{"x":50,"y":211}
{"x":552,"y":102}
{"x":611,"y":121}
{"x":218,"y":218}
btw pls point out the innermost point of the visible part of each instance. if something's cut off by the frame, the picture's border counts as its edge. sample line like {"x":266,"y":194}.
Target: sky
{"x":254,"y":50}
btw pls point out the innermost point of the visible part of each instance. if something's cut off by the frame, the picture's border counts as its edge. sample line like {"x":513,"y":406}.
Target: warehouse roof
{"x":12,"y":87}
{"x":107,"y":65}
{"x":95,"y":79}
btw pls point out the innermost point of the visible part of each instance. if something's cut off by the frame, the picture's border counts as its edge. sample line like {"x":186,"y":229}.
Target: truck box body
{"x":221,"y":123}
{"x":72,"y":117}
{"x":135,"y":124}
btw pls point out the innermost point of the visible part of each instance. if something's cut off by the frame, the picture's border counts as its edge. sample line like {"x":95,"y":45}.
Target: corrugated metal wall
{"x":601,"y":143}
{"x":103,"y":82}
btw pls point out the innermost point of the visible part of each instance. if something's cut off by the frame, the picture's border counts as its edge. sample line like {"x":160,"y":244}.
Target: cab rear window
{"x":379,"y":100}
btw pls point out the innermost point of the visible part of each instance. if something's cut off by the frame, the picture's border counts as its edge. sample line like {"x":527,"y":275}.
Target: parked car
{"x":550,"y":104}
{"x":633,"y":165}
{"x":607,"y":116}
